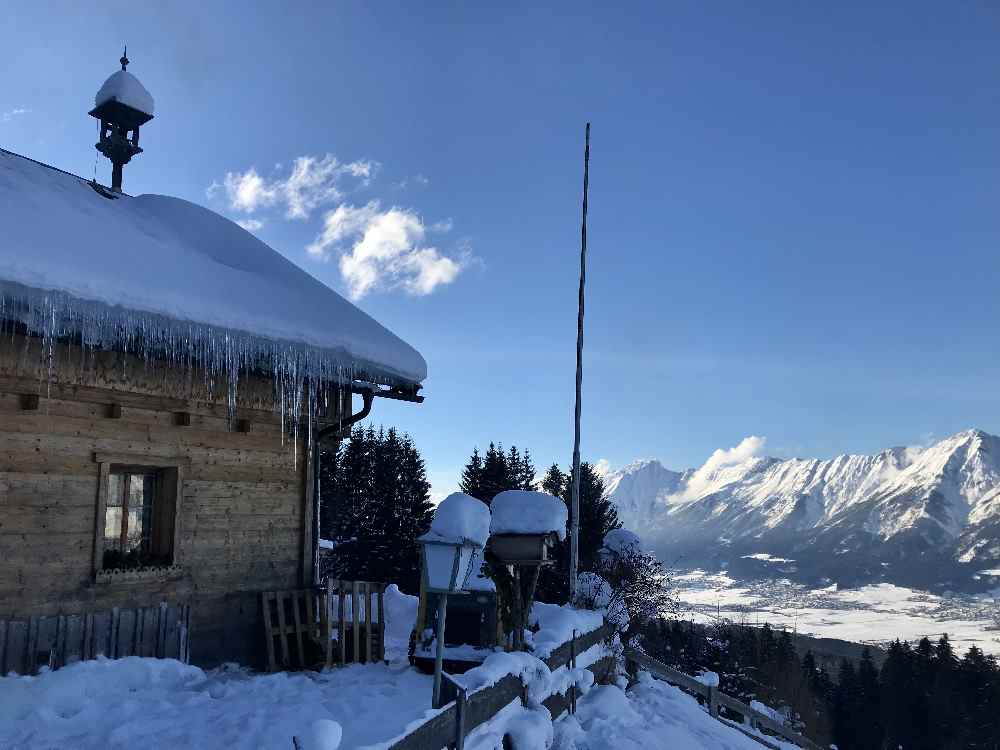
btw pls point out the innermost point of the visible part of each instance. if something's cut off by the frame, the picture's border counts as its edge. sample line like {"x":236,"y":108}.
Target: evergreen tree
{"x":485,"y":477}
{"x":845,"y":706}
{"x":868,"y":733}
{"x":472,"y":476}
{"x":554,"y":482}
{"x":598,"y":515}
{"x":375,"y":502}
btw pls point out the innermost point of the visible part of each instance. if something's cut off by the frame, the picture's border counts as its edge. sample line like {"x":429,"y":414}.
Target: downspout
{"x":339,"y":429}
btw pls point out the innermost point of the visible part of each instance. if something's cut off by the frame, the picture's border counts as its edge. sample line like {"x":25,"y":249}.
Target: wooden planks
{"x":290,"y":615}
{"x":54,"y":641}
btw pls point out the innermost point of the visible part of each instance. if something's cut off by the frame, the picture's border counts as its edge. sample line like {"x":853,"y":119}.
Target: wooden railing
{"x":299,"y":625}
{"x":714,"y":698}
{"x":467,"y":711}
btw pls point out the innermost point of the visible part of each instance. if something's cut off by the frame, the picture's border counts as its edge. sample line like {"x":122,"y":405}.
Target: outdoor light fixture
{"x":447,"y":566}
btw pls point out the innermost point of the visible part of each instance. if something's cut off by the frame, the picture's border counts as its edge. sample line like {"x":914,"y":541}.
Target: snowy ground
{"x":652,"y":714}
{"x":154,"y":703}
{"x":875,"y":613}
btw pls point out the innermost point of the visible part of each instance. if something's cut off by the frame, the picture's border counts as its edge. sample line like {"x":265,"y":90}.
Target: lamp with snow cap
{"x":447,"y":564}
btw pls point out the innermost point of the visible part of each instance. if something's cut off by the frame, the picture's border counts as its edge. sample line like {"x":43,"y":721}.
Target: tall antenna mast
{"x":574,"y":528}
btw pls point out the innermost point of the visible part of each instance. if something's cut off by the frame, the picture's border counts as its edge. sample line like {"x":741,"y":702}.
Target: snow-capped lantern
{"x":452,"y":547}
{"x":525,"y":526}
{"x":454,"y":543}
{"x":122,"y":105}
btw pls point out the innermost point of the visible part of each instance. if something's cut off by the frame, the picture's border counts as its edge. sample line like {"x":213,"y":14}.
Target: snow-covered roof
{"x":124,"y":87}
{"x":524,"y":512}
{"x":185,"y":278}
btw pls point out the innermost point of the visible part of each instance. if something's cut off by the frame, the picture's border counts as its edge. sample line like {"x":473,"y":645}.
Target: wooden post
{"x":381,"y":623}
{"x":342,"y":624}
{"x":113,"y":645}
{"x":87,"y":649}
{"x":460,"y":718}
{"x":269,"y":631}
{"x":439,"y":656}
{"x":328,"y":620}
{"x":369,"y":622}
{"x":355,"y":622}
{"x":572,"y":665}
{"x":104,"y":471}
{"x":518,"y":610}
{"x":161,"y":631}
{"x":574,"y":528}
{"x":279,"y":597}
{"x":713,"y":702}
{"x":296,"y":599}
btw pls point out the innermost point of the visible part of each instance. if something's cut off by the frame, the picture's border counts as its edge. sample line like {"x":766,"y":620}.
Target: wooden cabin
{"x":165,"y":379}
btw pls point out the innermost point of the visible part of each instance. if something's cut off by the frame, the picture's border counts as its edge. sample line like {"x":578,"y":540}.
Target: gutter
{"x":341,"y":429}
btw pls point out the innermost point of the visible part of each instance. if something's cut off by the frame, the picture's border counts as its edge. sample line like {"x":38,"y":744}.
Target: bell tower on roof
{"x":122,"y":104}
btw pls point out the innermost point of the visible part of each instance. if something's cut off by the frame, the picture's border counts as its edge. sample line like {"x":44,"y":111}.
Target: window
{"x":138,"y":510}
{"x":128,"y":521}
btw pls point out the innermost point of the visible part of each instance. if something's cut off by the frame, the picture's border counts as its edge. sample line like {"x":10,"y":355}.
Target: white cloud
{"x":445,"y":225}
{"x":248,"y":191}
{"x":313,"y":181}
{"x":251,"y":225}
{"x":602,"y":467}
{"x":704,"y":478}
{"x":383,"y":248}
{"x":10,"y":114}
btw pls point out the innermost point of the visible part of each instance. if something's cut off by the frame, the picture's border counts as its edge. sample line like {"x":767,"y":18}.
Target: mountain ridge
{"x":918,"y":515}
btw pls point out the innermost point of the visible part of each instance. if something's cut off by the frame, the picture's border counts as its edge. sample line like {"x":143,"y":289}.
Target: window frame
{"x":171,"y":480}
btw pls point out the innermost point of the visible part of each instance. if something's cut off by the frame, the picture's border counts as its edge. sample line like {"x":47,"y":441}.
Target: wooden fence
{"x":57,"y":640}
{"x":303,"y":623}
{"x":714,"y":698}
{"x":466,"y":712}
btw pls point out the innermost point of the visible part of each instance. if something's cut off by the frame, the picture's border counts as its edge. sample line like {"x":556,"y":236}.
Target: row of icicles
{"x":305,"y":379}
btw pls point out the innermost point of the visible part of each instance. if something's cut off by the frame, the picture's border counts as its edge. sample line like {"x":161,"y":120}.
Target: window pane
{"x":115,"y":490}
{"x":112,"y":527}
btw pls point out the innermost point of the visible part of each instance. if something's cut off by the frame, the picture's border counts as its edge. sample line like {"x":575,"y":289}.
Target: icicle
{"x":301,"y":375}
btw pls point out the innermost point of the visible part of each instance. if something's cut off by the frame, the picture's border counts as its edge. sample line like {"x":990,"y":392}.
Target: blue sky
{"x":794,"y":215}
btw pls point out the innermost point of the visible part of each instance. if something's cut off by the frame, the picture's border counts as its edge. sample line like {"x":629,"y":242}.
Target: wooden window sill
{"x":138,"y":575}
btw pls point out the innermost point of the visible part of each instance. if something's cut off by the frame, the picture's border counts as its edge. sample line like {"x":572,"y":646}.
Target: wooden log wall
{"x":245,"y":516}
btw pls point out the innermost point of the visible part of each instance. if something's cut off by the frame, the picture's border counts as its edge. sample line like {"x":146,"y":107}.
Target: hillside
{"x":924,"y":516}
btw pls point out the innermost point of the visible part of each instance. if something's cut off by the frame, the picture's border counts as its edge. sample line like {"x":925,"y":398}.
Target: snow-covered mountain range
{"x":927,"y":516}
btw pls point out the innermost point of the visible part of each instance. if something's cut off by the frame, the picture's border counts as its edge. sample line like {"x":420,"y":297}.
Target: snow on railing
{"x":707,"y":688}
{"x":480,"y":698}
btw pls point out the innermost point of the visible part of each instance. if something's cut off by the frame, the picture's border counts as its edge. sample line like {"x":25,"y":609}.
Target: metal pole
{"x":574,"y":529}
{"x":439,"y":657}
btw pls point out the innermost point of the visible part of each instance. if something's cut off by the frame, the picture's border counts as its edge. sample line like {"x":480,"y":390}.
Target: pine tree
{"x":869,"y":715}
{"x":375,"y":502}
{"x":554,"y":482}
{"x":598,"y":515}
{"x":845,"y":706}
{"x":472,"y":476}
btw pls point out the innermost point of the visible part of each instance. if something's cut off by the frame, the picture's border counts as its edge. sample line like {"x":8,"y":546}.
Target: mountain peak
{"x":942,"y":496}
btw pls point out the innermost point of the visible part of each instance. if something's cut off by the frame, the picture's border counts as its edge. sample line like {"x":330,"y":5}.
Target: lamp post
{"x":447,"y":566}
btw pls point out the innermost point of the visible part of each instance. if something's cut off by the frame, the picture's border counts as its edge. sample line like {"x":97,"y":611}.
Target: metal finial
{"x":124,"y":58}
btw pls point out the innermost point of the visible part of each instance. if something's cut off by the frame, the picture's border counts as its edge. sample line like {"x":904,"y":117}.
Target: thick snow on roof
{"x":461,"y":517}
{"x":170,"y":260}
{"x":523,"y":512}
{"x":124,"y":87}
